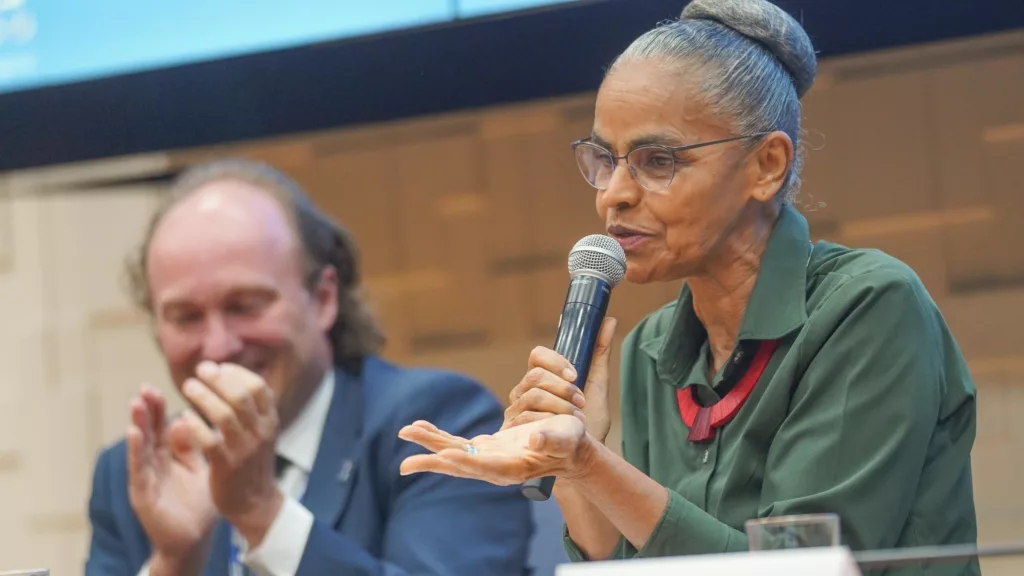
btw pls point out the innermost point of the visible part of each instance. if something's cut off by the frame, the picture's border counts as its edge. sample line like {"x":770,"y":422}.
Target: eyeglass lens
{"x":652,"y":166}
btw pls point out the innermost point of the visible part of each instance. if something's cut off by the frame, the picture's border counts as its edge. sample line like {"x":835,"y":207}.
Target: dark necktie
{"x":280,"y":466}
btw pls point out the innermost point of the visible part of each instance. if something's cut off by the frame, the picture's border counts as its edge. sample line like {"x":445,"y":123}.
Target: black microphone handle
{"x":586,"y":303}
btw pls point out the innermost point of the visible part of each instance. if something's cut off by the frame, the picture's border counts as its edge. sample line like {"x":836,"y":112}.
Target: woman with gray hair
{"x":789,"y":377}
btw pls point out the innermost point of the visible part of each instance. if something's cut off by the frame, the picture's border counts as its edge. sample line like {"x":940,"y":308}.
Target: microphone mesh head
{"x":598,"y":253}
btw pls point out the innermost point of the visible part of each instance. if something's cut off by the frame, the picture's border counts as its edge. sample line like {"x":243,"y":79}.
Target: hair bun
{"x":770,"y":26}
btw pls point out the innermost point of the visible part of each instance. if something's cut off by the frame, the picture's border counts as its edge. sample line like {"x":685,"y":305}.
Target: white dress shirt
{"x":281,"y":550}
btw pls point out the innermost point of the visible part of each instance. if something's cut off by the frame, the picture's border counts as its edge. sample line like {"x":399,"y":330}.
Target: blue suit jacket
{"x":369,"y":519}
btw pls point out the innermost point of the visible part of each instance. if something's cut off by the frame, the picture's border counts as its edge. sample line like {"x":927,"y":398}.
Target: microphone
{"x":596,"y":264}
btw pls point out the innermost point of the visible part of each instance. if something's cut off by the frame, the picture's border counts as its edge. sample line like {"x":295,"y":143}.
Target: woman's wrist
{"x":585,"y":460}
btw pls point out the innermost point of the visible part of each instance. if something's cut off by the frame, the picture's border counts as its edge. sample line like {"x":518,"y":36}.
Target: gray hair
{"x":753,"y":60}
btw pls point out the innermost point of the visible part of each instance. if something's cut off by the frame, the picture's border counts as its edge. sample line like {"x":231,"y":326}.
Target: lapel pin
{"x":346,"y":471}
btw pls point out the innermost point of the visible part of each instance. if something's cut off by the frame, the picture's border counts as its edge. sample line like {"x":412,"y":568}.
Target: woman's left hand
{"x":550,"y":447}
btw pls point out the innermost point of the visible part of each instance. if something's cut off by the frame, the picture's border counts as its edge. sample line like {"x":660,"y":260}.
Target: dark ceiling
{"x":550,"y":52}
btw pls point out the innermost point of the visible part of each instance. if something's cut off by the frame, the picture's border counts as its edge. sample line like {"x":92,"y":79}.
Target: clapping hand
{"x":168,"y":484}
{"x":240,"y":448}
{"x":185,"y":474}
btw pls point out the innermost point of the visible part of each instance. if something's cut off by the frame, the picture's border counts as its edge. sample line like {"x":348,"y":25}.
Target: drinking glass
{"x":798,"y":531}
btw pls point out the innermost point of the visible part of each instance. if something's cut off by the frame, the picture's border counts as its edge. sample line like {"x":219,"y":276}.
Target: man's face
{"x":226,"y":275}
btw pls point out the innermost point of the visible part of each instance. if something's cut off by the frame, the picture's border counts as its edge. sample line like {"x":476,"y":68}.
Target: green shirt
{"x":866,"y":409}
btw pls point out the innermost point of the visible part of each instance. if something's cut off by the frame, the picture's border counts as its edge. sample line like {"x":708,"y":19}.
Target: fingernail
{"x":189,"y":387}
{"x":581,"y":415}
{"x":569,"y":374}
{"x":207,"y":369}
{"x":579,"y":400}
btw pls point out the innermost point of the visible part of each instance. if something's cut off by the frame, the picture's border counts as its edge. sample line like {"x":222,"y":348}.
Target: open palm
{"x":511,"y":456}
{"x":168,"y":480}
{"x":177,"y":501}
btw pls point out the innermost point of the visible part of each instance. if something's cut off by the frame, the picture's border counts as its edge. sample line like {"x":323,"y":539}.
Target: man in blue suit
{"x":287,"y":460}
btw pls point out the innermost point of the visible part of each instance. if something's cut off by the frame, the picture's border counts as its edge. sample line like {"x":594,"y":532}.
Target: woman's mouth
{"x":628,"y":238}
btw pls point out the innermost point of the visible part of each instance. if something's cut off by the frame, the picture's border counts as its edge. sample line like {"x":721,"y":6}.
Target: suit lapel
{"x":333,"y":471}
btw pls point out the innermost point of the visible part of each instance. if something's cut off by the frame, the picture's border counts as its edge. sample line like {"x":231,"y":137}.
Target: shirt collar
{"x":778,"y":303}
{"x":300,"y":442}
{"x":777,"y":306}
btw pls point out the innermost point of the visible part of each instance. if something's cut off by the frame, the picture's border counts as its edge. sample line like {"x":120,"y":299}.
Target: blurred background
{"x":439,"y":131}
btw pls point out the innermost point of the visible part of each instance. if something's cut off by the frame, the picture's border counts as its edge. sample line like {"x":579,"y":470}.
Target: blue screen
{"x":45,"y":42}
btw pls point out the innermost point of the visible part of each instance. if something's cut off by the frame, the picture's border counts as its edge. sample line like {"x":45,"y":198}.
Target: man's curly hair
{"x":355,"y":333}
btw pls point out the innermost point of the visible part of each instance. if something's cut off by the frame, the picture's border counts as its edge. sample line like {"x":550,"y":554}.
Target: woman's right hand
{"x":549,"y":389}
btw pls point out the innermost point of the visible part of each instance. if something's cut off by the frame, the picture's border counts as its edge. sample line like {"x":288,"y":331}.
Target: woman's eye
{"x":661,"y":161}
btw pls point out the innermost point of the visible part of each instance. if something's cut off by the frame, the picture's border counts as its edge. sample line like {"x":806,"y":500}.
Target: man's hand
{"x":168,"y":485}
{"x":241,"y":451}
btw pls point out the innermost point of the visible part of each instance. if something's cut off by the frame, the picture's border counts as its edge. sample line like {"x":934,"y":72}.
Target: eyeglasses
{"x":652,"y":166}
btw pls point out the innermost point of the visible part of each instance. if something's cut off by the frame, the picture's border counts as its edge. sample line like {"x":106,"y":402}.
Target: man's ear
{"x":325,"y":297}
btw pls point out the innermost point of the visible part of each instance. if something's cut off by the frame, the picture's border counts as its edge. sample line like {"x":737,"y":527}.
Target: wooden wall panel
{"x":508,"y":166}
{"x":562,"y":203}
{"x":122,"y":359}
{"x":873,"y":155}
{"x":979,"y":135}
{"x":6,"y":227}
{"x":987,"y":324}
{"x":360,"y":190}
{"x":439,"y":236}
{"x":64,"y":274}
{"x":997,"y":467}
{"x":562,"y":212}
{"x":922,"y":250}
{"x":87,"y":253}
{"x":26,"y":333}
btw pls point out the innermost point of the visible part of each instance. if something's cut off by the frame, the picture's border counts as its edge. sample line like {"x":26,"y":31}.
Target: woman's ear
{"x":773,"y":158}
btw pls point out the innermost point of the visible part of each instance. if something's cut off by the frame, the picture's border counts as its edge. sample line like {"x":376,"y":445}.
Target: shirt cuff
{"x":571,"y":549}
{"x":144,"y":571}
{"x":682,"y":529}
{"x":686,"y":529}
{"x":622,"y":551}
{"x":280,"y":552}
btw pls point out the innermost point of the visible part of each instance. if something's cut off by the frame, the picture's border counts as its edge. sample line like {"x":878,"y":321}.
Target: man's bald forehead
{"x":232,"y":211}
